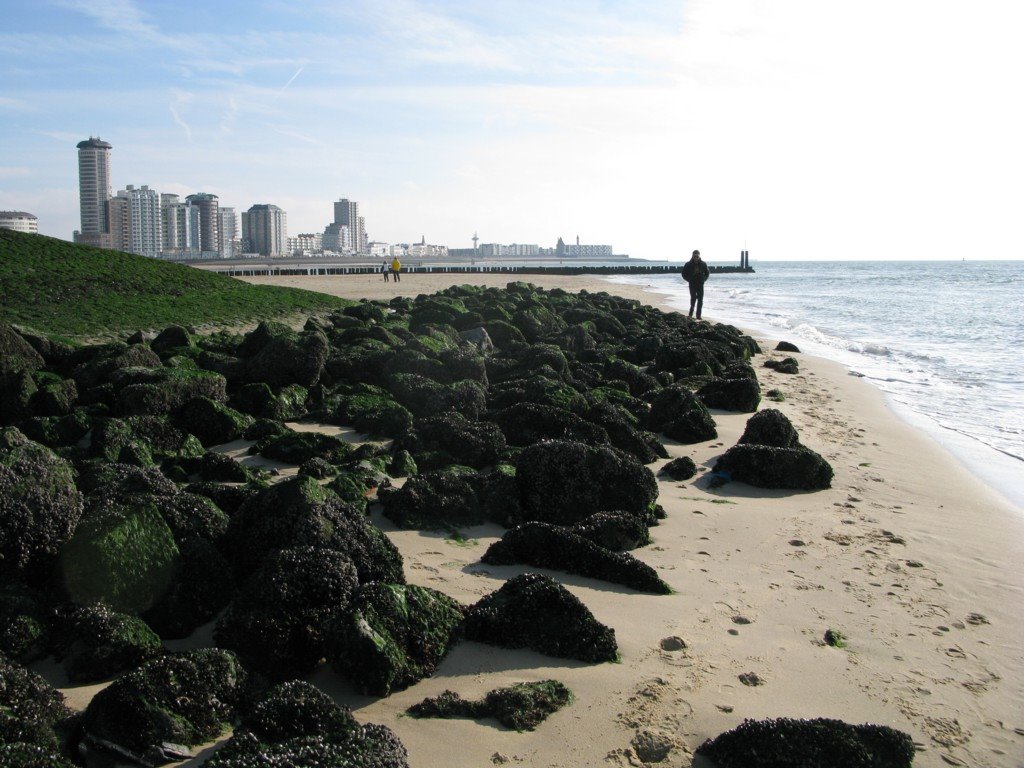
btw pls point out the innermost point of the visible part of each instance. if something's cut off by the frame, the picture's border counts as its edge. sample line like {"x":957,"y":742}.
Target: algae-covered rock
{"x":623,"y":432}
{"x":535,"y":612}
{"x":164,"y":390}
{"x":170,"y":338}
{"x":121,"y":556}
{"x":550,"y":546}
{"x":97,"y":642}
{"x":259,"y":400}
{"x":766,"y":466}
{"x":300,"y":512}
{"x":299,"y":447}
{"x":521,"y":706}
{"x":394,"y":636}
{"x":39,"y":505}
{"x":564,"y":482}
{"x":16,"y":354}
{"x":156,"y":434}
{"x":785,"y":365}
{"x":791,"y":743}
{"x":278,"y":621}
{"x":370,"y":410}
{"x":187,"y":698}
{"x":284,"y":360}
{"x":211,"y":421}
{"x":30,"y":755}
{"x":293,"y":709}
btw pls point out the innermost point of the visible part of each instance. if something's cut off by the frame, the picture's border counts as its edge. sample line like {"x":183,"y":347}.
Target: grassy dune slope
{"x":57,"y":287}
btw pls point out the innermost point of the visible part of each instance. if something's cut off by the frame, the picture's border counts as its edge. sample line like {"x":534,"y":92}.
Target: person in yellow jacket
{"x":396,"y":269}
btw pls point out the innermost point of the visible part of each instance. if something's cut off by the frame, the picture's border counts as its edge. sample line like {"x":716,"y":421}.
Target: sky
{"x":798,"y":129}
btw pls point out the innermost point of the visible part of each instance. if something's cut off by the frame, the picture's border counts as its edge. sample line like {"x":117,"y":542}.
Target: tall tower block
{"x":94,"y":191}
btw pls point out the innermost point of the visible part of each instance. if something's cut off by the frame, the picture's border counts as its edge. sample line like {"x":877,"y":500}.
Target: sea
{"x":943,"y":340}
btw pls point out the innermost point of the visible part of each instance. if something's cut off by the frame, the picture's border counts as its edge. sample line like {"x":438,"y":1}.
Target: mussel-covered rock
{"x":770,"y":467}
{"x":39,"y":505}
{"x":679,"y":415}
{"x":187,"y":699}
{"x":278,"y":621}
{"x":770,"y":427}
{"x":521,"y":706}
{"x":551,"y":546}
{"x":785,"y":365}
{"x":564,"y":482}
{"x":791,"y":742}
{"x":433,"y":500}
{"x":737,"y":394}
{"x":97,"y":642}
{"x":300,"y":512}
{"x":533,"y":611}
{"x":682,"y":468}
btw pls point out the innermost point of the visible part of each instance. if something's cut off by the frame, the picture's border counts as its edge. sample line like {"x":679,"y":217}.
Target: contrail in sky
{"x":292,"y":80}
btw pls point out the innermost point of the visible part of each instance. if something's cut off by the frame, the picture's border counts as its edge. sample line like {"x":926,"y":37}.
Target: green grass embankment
{"x":57,"y":287}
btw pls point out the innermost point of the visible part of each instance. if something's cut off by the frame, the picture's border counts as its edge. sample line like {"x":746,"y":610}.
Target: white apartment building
{"x":19,"y":221}
{"x":139,"y":224}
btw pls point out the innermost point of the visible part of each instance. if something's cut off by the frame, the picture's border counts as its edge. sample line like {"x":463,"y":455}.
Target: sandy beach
{"x":915,"y":561}
{"x":912,"y":559}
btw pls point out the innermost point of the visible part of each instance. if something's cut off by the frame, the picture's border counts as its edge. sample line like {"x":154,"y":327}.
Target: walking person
{"x":396,"y":269}
{"x":696,"y":273}
{"x":384,"y":269}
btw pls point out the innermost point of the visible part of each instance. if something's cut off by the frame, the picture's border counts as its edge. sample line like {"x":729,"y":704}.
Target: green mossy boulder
{"x":300,"y":447}
{"x":211,"y":421}
{"x":164,"y":390}
{"x":16,"y":354}
{"x":393,"y":636}
{"x":119,"y":555}
{"x":434,"y":500}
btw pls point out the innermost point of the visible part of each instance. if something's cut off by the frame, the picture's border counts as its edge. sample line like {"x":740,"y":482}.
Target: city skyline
{"x":792,"y":129}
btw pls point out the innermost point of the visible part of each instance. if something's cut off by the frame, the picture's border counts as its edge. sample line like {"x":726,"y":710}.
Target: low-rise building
{"x":19,"y":221}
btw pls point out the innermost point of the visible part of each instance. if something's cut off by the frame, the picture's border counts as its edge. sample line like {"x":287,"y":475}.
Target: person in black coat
{"x":696,"y":273}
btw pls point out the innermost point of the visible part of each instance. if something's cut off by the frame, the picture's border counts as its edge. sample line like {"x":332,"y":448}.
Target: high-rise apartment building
{"x":136,"y":224}
{"x":94,"y":192}
{"x":230,"y":245}
{"x":209,"y":221}
{"x":346,"y":214}
{"x":265,"y":230}
{"x":181,"y":228}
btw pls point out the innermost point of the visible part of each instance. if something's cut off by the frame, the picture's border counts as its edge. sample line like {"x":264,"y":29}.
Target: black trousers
{"x":696,"y":297}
